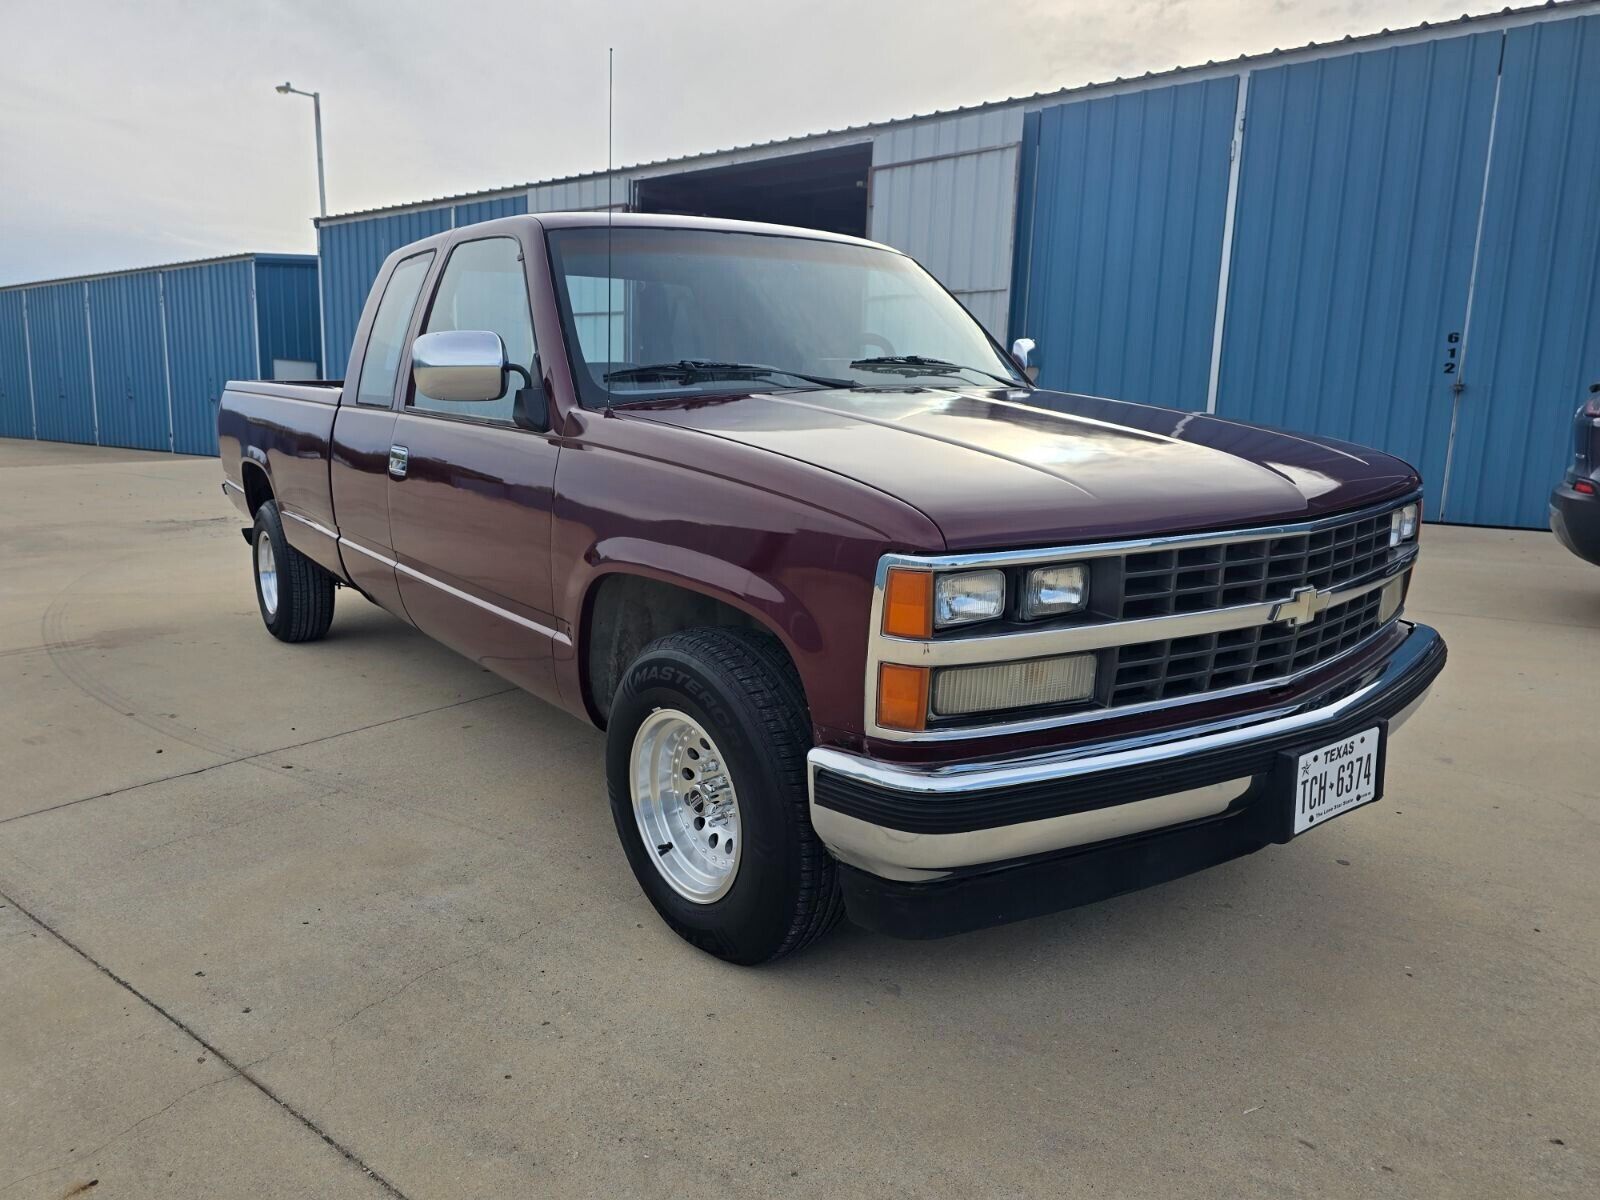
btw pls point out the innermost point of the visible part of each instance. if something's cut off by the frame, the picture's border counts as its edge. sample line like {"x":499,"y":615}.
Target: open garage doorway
{"x":825,"y":189}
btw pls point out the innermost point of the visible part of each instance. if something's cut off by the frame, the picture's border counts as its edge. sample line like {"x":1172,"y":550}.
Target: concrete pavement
{"x":350,"y":919}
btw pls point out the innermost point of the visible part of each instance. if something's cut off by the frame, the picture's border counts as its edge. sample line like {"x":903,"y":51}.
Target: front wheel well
{"x":625,"y":613}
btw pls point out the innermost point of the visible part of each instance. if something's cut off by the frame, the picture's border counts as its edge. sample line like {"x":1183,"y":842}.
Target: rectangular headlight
{"x":1052,"y":591}
{"x":968,"y":596}
{"x":1403,"y":525}
{"x":958,"y":691}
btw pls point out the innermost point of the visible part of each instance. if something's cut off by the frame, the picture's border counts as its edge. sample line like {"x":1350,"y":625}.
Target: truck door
{"x":471,"y":514}
{"x":358,"y":469}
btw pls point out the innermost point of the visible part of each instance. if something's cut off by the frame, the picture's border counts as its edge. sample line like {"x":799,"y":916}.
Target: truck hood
{"x":1008,"y":468}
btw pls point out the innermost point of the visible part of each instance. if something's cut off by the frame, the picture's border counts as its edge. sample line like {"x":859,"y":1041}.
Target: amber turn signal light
{"x":902,"y":696}
{"x":908,"y":603}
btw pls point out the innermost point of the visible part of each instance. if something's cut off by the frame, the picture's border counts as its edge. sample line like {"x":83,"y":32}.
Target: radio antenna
{"x":611,"y":291}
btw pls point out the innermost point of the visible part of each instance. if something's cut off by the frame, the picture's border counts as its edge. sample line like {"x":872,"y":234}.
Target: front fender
{"x":794,"y":547}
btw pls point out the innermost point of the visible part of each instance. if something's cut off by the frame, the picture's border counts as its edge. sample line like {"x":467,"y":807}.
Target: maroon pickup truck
{"x":872,"y":624}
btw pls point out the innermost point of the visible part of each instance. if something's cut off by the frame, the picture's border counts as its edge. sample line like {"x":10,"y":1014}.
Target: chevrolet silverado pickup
{"x":872,"y":624}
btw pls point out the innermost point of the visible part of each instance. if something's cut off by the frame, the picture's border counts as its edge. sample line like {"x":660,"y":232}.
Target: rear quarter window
{"x":386,"y":342}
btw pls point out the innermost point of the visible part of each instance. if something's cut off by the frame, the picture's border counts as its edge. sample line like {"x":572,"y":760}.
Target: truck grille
{"x":1159,"y":583}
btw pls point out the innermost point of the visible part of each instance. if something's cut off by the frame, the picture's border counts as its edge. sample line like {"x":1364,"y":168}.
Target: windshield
{"x":685,"y":312}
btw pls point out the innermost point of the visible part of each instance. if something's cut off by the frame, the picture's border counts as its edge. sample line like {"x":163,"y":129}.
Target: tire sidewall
{"x":269,"y":523}
{"x":750,"y":921}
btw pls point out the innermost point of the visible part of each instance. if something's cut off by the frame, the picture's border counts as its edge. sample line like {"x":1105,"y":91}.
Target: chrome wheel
{"x":267,"y":572}
{"x":685,"y":804}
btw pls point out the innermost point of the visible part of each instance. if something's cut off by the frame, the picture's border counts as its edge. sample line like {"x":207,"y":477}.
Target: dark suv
{"x":1575,"y":504}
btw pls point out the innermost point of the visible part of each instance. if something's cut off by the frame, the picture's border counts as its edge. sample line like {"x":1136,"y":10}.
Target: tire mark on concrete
{"x":59,"y":646}
{"x":242,"y":1072}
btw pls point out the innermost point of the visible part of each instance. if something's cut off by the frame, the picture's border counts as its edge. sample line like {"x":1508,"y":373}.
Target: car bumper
{"x":1575,"y":520}
{"x":927,"y":851}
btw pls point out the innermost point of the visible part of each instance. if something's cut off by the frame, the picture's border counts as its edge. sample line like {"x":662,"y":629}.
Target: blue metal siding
{"x":1358,"y":198}
{"x":130,"y":383}
{"x":59,"y":334}
{"x":16,"y":404}
{"x":211,"y":338}
{"x":1121,"y":218}
{"x":489,"y":210}
{"x":1533,"y":344}
{"x":352,"y":252}
{"x":287,"y":317}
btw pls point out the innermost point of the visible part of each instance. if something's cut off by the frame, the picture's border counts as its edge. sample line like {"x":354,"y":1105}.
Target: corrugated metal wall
{"x":140,"y":358}
{"x":211,"y":338}
{"x":945,"y":192}
{"x":353,"y":251}
{"x":130,"y":381}
{"x":1533,"y":342}
{"x":489,"y":210}
{"x":58,"y":337}
{"x":592,"y":193}
{"x":16,"y":394}
{"x":1414,"y":264}
{"x":288,"y":315}
{"x":1121,"y":223}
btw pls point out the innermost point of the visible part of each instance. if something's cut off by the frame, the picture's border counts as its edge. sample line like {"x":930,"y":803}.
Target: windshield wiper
{"x":916,"y":364}
{"x":693,"y":370}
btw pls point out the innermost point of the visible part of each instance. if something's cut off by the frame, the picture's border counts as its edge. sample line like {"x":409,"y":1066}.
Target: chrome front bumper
{"x":916,"y":823}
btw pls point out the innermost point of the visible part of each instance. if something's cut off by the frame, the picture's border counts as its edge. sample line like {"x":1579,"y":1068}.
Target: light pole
{"x":287,"y":89}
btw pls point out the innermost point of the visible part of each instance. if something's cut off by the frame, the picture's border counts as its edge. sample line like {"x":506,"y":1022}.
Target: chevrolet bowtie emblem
{"x":1303,"y":604}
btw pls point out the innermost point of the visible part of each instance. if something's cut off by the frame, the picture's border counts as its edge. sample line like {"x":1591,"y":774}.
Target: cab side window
{"x":484,"y":287}
{"x":387,"y":340}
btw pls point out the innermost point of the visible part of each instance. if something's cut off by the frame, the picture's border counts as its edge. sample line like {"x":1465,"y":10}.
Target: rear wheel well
{"x":257,"y":490}
{"x":625,"y":613}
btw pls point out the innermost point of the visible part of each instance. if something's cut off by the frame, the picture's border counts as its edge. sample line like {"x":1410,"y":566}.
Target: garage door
{"x":1358,"y":199}
{"x":1533,"y":337}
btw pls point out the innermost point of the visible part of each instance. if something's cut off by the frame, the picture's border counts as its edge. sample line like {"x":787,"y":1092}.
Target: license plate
{"x":1335,"y":778}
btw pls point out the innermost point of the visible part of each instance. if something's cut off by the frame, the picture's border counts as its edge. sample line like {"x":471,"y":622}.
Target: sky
{"x":136,"y":134}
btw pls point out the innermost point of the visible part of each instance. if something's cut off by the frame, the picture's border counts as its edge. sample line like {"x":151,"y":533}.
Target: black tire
{"x":305,"y":590}
{"x":742,"y":688}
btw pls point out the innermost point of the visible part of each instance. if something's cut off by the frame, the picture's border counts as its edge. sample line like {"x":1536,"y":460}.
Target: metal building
{"x":139,"y":358}
{"x":1392,"y":239}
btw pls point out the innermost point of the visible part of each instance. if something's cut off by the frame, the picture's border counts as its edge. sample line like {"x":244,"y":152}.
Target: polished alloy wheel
{"x":685,"y":804}
{"x":267,"y":572}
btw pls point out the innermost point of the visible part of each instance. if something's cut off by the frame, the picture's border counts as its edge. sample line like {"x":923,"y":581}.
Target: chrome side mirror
{"x":460,"y":365}
{"x":1022,"y":354}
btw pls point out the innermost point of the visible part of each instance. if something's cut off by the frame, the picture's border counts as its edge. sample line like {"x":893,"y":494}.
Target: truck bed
{"x":283,"y":431}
